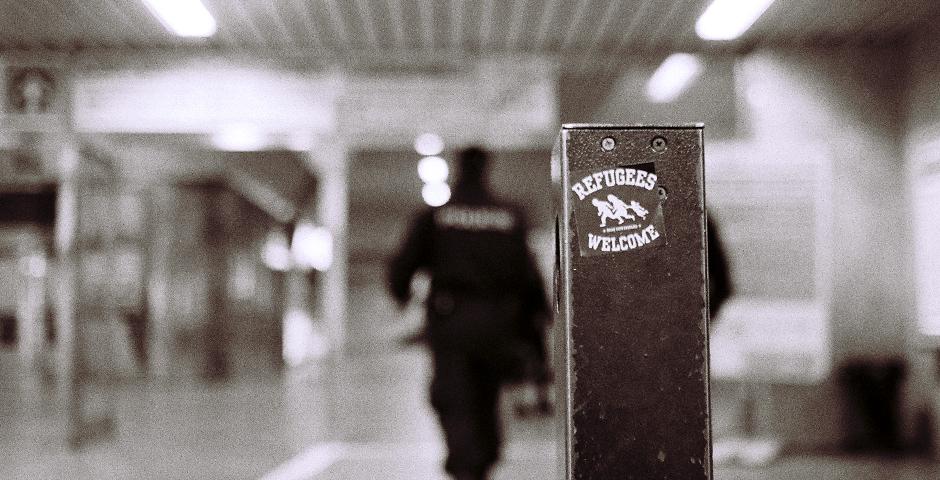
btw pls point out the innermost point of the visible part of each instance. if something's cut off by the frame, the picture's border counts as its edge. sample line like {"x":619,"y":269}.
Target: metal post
{"x":631,"y":300}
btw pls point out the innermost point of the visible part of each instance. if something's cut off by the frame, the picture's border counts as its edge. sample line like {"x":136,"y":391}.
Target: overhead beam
{"x":338,"y":22}
{"x":310,"y":29}
{"x":456,"y":31}
{"x":397,"y":19}
{"x":517,"y":21}
{"x":426,"y":15}
{"x":369,"y":24}
{"x":245,"y":17}
{"x":575,"y":29}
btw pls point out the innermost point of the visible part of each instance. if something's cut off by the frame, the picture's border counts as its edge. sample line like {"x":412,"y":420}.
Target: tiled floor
{"x":364,"y":417}
{"x":361,"y":418}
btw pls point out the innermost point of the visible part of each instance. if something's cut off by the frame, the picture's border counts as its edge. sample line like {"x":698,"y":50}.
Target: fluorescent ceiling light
{"x":435,"y":194}
{"x":312,"y":247}
{"x":276,"y":253}
{"x":240,"y":138}
{"x":433,"y":170}
{"x":673,"y":77}
{"x":186,"y":18}
{"x":729,"y":19}
{"x":429,"y":144}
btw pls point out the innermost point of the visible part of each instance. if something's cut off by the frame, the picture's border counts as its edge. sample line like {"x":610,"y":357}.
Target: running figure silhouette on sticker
{"x":622,"y":199}
{"x":615,"y":209}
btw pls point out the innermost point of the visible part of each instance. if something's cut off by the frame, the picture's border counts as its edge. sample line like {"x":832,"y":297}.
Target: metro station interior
{"x":196,"y":219}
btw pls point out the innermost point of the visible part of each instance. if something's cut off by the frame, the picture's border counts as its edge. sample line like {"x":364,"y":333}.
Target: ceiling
{"x":438,"y":34}
{"x":376,"y":31}
{"x":490,"y":36}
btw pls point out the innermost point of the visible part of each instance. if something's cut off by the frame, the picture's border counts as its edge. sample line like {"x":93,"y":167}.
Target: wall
{"x":922,"y":154}
{"x":922,"y":148}
{"x":9,"y":272}
{"x":839,"y":105}
{"x":254,"y":294}
{"x":24,"y":270}
{"x":805,"y":175}
{"x":187,"y":261}
{"x":200,"y":300}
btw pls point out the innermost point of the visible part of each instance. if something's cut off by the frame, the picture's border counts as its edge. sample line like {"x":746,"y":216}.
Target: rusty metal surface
{"x":634,"y":322}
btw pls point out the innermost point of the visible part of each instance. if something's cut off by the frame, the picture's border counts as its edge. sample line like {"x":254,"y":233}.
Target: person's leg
{"x":455,"y":398}
{"x":489,"y":429}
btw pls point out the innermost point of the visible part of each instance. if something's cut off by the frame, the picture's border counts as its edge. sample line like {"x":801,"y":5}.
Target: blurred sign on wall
{"x":501,"y":102}
{"x":204,"y":98}
{"x":772,"y":206}
{"x":33,"y":97}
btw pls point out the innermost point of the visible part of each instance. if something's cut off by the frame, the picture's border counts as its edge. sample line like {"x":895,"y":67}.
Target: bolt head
{"x":658,"y":144}
{"x":608,"y":143}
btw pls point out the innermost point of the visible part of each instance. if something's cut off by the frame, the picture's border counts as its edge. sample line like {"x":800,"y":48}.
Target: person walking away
{"x":483,"y":284}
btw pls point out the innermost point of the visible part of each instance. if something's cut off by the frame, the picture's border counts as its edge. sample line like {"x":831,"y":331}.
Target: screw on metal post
{"x":608,"y":143}
{"x":663,"y":194}
{"x":658,"y":144}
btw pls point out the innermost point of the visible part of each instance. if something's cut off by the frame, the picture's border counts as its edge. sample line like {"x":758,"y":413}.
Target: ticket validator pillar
{"x":632,"y":318}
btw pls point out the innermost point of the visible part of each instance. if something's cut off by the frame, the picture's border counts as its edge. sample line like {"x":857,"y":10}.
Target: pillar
{"x":329,"y":160}
{"x":161,"y":231}
{"x":632,"y":306}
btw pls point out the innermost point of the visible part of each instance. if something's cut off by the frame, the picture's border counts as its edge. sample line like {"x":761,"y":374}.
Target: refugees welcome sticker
{"x":617,"y":209}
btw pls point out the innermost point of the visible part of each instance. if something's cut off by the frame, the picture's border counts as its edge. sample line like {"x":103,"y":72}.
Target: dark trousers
{"x":465,"y":395}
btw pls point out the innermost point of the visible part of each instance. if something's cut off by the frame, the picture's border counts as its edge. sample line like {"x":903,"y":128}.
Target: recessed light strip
{"x":186,"y":18}
{"x":729,"y":19}
{"x":673,"y":77}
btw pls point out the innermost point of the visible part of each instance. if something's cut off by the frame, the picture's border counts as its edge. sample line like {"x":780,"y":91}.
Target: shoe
{"x":471,"y":476}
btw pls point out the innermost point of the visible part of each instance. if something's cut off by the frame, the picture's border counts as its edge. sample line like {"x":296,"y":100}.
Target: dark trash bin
{"x":873,"y":405}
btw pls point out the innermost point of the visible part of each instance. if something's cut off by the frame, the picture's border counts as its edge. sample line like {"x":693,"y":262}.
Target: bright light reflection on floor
{"x":309,"y":463}
{"x":422,"y":456}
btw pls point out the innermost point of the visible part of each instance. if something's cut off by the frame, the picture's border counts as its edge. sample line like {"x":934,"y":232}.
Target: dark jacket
{"x":485,"y":288}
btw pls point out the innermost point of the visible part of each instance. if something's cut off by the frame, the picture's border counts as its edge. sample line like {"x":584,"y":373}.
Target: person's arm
{"x":535,"y":300}
{"x":720,"y":287}
{"x":414,"y":254}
